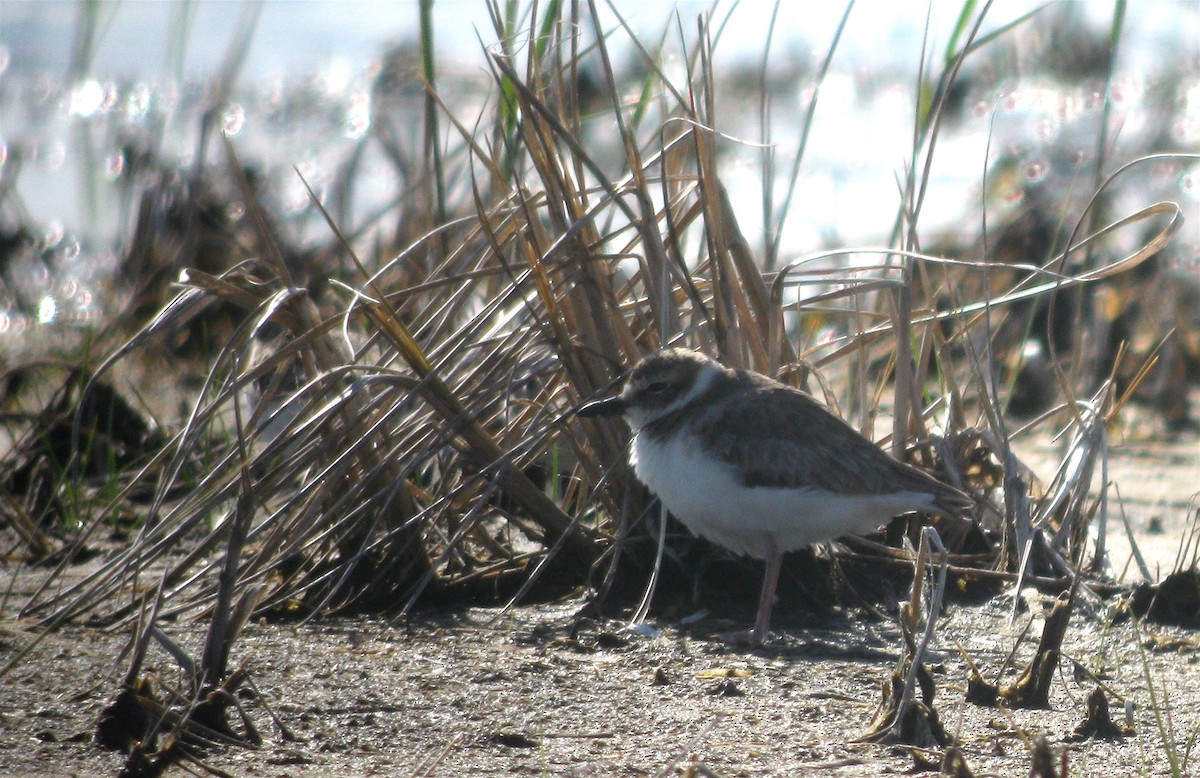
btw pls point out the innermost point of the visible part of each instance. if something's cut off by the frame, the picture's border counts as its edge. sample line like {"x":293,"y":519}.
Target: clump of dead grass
{"x":405,"y":433}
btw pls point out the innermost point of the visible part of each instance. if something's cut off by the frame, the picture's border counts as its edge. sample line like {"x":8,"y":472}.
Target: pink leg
{"x":766,"y":601}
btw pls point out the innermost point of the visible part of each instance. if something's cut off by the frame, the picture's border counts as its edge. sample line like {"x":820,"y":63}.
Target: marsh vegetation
{"x":310,"y":496}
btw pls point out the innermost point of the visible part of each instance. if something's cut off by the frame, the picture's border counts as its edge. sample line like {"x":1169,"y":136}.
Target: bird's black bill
{"x":607,"y":407}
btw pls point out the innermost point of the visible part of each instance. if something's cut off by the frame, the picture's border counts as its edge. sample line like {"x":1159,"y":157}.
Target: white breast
{"x":708,"y":496}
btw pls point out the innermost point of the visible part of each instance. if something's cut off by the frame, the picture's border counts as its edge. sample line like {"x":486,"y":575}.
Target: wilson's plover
{"x":757,"y":466}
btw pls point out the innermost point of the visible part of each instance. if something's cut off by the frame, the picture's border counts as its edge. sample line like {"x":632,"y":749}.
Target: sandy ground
{"x":483,"y":693}
{"x":470,"y":694}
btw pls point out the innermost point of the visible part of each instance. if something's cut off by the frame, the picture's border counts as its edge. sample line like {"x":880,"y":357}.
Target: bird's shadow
{"x":825,"y":606}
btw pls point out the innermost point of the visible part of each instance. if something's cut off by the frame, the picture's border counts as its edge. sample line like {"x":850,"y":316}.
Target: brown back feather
{"x":831,"y":455}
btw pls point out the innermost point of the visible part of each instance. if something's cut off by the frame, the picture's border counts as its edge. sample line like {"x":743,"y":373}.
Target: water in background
{"x":309,"y":90}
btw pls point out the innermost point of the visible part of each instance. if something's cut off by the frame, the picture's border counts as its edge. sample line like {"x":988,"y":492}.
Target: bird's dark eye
{"x":656,"y":387}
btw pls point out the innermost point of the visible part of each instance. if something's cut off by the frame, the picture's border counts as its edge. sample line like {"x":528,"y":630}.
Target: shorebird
{"x":757,"y":466}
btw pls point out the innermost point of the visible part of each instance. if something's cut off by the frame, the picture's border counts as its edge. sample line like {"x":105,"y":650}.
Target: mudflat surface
{"x":536,"y":691}
{"x":480,"y":693}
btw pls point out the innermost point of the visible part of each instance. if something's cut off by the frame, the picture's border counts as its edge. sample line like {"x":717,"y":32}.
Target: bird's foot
{"x":742,"y":637}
